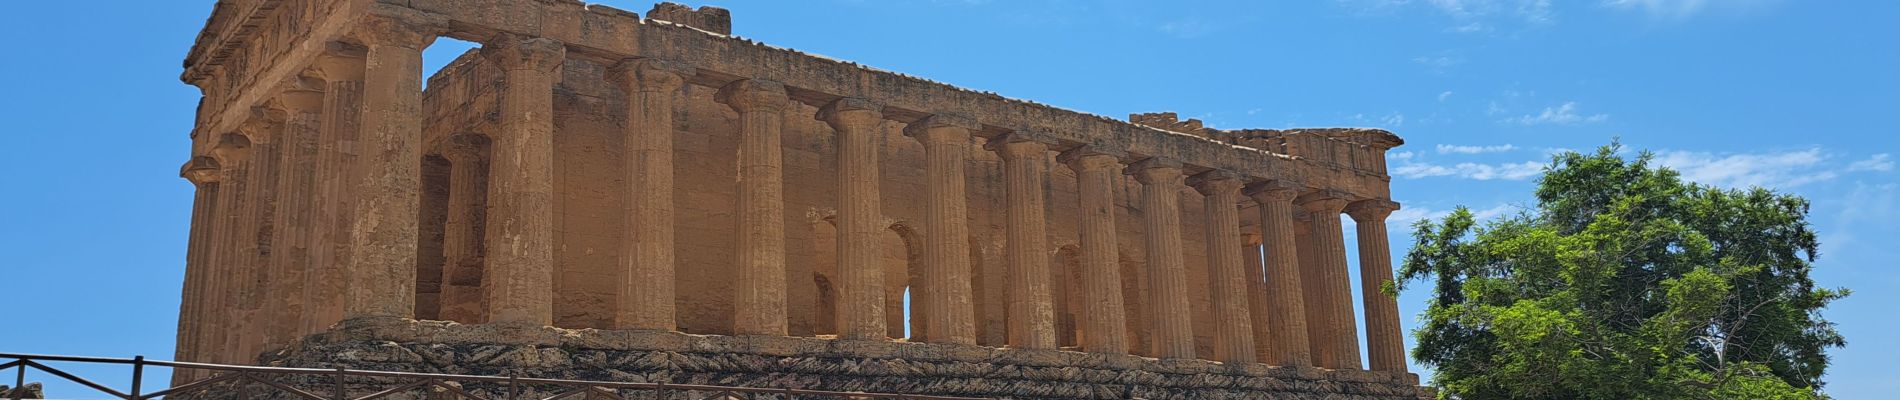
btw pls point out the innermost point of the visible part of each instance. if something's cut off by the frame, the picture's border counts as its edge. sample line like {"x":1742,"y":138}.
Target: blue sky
{"x":1787,"y":94}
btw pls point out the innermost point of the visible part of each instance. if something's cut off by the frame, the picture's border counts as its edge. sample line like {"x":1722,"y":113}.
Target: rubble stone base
{"x":816,"y":363}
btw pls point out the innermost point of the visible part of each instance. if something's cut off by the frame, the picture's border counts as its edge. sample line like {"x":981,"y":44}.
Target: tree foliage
{"x":1625,"y":282}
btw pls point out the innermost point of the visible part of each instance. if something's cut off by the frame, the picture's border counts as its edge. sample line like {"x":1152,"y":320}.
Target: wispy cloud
{"x":1407,"y":215}
{"x":1882,"y":162}
{"x":1565,"y":114}
{"x":1439,"y":62}
{"x":1780,"y":170}
{"x":1680,"y":9}
{"x":1389,"y":120}
{"x":1469,"y":16}
{"x":1483,"y":172}
{"x":1188,"y":28}
{"x":1457,"y":149}
{"x":1443,"y":96}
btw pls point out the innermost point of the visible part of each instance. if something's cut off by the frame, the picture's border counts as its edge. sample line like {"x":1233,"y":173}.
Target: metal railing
{"x":335,"y":384}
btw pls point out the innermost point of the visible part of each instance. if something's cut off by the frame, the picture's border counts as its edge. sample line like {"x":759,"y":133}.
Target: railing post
{"x":19,"y":382}
{"x":138,"y":375}
{"x":514,"y":387}
{"x":342,"y":392}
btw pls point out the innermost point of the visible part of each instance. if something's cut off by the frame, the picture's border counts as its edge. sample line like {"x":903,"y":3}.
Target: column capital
{"x":1324,"y":201}
{"x":1155,"y":170}
{"x":748,"y":95}
{"x":264,"y":120}
{"x":851,"y":113}
{"x":341,"y":62}
{"x":1215,"y":182}
{"x":1277,"y":190}
{"x":1015,"y":146}
{"x":1371,"y":210}
{"x":642,"y":74}
{"x":201,"y":170}
{"x":398,"y":27}
{"x":937,"y":128}
{"x":516,"y":53}
{"x":231,"y":149}
{"x":302,"y":95}
{"x":1090,"y":158}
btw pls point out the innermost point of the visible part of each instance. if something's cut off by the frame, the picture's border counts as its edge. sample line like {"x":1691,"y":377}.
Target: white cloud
{"x":1455,"y":149}
{"x":1407,"y":215}
{"x":1439,"y":62}
{"x":1475,"y":171}
{"x":1882,"y":162}
{"x":1470,"y":15}
{"x":1565,"y":114}
{"x":1679,"y":9}
{"x":1390,"y":120}
{"x":1443,"y":96}
{"x":1782,"y":170}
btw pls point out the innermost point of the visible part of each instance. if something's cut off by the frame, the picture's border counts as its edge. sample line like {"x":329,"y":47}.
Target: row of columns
{"x":1307,"y":321}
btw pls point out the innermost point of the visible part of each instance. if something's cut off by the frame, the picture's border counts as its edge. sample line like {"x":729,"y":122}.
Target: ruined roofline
{"x":606,"y":34}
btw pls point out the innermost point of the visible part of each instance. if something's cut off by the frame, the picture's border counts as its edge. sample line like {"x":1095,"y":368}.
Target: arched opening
{"x":1065,"y":290}
{"x":904,"y":282}
{"x":824,"y":271}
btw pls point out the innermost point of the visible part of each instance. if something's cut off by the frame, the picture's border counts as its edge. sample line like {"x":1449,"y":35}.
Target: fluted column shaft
{"x":204,"y":175}
{"x":463,"y":231}
{"x":338,"y":149}
{"x":1385,"y":341}
{"x":384,"y":226}
{"x":949,"y":310}
{"x":1318,"y":328}
{"x":860,"y":269}
{"x":1104,"y":325}
{"x":1168,"y":288}
{"x":245,"y":338}
{"x":233,"y":153}
{"x":520,"y":256}
{"x":294,"y":235}
{"x":1286,"y":319}
{"x":759,"y":304}
{"x":1032,"y":322}
{"x":646,"y":293}
{"x":1329,"y":247}
{"x":1233,"y":322}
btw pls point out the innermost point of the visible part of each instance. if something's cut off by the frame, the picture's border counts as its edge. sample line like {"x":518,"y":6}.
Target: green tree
{"x":1625,"y":282}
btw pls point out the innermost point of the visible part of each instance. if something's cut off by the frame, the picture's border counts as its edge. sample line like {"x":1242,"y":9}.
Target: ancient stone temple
{"x":597,"y":194}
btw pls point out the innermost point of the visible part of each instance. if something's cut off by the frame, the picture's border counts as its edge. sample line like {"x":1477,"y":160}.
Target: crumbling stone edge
{"x":814,"y":363}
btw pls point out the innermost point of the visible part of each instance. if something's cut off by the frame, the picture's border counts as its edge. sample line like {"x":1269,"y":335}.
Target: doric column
{"x":1233,"y":322}
{"x":1104,"y":325}
{"x":245,"y":339}
{"x":949,"y":310}
{"x":646,"y":297}
{"x":1329,"y":245}
{"x":1286,"y":317}
{"x":1314,"y":299}
{"x":1167,"y":273}
{"x":204,"y":175}
{"x":860,"y":270}
{"x":759,"y":305}
{"x":384,"y":227}
{"x":342,"y":70}
{"x":1385,"y":342}
{"x":294,"y":233}
{"x":520,"y":252}
{"x":462,"y":233}
{"x":1032,"y":322}
{"x":233,"y":154}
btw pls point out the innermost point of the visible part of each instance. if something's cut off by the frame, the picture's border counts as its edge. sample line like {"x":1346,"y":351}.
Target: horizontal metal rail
{"x":247,"y":377}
